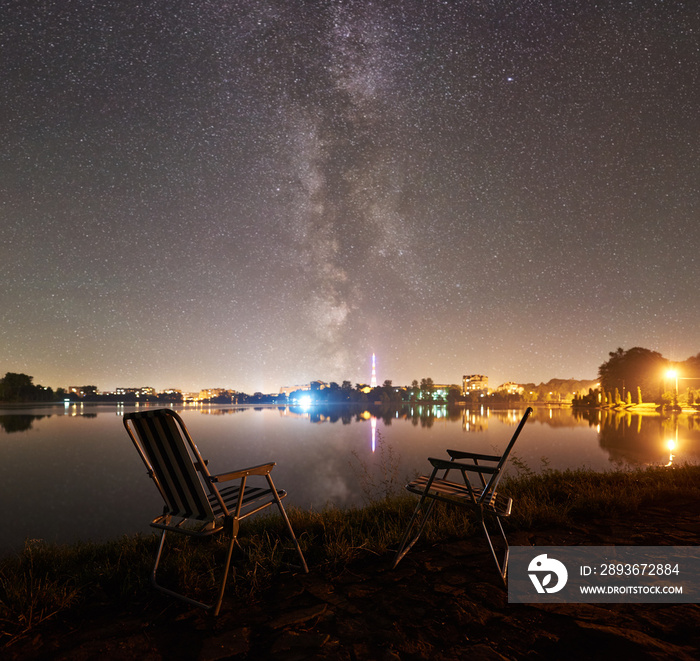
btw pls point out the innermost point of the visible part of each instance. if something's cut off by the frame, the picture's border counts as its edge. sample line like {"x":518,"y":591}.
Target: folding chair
{"x":195,"y":504}
{"x":482,"y":497}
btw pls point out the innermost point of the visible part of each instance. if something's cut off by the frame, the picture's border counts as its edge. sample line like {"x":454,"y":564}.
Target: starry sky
{"x":259,"y":193}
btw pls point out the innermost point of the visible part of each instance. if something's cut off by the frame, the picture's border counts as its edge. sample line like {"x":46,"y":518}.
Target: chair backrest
{"x":495,"y":472}
{"x":169,"y":453}
{"x":495,"y":479}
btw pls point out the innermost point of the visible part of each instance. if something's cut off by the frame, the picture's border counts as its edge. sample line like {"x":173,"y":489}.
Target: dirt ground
{"x":443,"y":602}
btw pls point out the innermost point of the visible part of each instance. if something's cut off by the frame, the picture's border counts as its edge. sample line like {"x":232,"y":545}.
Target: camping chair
{"x":482,"y":497}
{"x":195,"y":504}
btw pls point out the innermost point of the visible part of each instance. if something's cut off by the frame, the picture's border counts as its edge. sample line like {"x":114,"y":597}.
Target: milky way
{"x":257,"y":194}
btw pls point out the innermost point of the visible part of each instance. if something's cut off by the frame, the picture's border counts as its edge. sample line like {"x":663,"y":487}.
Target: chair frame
{"x":195,"y":505}
{"x":482,"y":498}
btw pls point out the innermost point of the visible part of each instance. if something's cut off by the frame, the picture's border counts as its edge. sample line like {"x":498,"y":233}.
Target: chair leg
{"x":158,"y":554}
{"x":234,"y":538}
{"x":502,"y":567}
{"x":165,"y":590}
{"x":420,"y":518}
{"x":182,"y":597}
{"x":283,"y":512}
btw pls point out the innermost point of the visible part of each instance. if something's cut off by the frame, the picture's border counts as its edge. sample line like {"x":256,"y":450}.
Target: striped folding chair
{"x":481,"y":497}
{"x":195,"y":504}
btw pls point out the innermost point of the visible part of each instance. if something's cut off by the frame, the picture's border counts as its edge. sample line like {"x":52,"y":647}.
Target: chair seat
{"x":252,"y":496}
{"x":459,"y":494}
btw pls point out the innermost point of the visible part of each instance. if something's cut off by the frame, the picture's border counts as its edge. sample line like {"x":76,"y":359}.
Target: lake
{"x":70,"y":472}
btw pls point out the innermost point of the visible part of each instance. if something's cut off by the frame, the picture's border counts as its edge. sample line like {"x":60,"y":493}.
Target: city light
{"x":672,"y":374}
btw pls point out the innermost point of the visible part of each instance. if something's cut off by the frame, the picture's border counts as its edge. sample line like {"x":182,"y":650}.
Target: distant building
{"x":172,"y":392}
{"x":475,"y":383}
{"x":145,"y":391}
{"x":314,"y":385}
{"x":288,"y":390}
{"x":441,"y":390}
{"x":214,"y":393}
{"x":511,"y":388}
{"x":171,"y":395}
{"x":82,"y":391}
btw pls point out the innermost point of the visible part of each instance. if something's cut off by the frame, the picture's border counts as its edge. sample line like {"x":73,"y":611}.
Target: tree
{"x":346,"y":391}
{"x":635,"y":368}
{"x":454,"y":394}
{"x":17,"y":387}
{"x":13,"y":385}
{"x":691,"y":367}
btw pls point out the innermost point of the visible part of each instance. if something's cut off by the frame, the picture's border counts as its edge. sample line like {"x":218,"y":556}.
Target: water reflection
{"x":671,"y":456}
{"x":16,"y":423}
{"x":425,"y":417}
{"x":645,"y":438}
{"x":628,"y":438}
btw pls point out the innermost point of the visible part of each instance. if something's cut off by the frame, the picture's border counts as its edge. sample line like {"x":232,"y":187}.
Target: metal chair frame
{"x":482,"y":498}
{"x":195,"y":505}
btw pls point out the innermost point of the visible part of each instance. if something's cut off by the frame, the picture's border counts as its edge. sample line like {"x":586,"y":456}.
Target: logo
{"x":547,"y":568}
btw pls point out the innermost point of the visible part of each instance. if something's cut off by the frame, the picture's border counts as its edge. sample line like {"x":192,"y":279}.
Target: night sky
{"x":257,"y":194}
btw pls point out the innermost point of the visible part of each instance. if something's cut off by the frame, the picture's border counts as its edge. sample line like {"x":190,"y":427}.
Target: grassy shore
{"x":43,"y":580}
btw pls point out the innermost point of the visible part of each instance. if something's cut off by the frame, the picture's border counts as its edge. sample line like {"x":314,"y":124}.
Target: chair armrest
{"x":456,"y":465}
{"x":459,"y":454}
{"x":262,"y":469}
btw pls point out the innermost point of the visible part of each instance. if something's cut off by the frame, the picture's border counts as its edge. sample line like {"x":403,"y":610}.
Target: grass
{"x":43,"y":580}
{"x":556,"y":498}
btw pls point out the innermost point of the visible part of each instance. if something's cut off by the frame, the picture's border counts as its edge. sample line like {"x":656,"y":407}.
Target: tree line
{"x":638,"y":375}
{"x":20,"y":388}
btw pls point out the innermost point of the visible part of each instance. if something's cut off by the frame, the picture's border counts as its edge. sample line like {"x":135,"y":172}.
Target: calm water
{"x":69,"y":473}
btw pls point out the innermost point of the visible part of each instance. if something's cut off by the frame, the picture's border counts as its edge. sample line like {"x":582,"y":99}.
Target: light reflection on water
{"x":69,"y":473}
